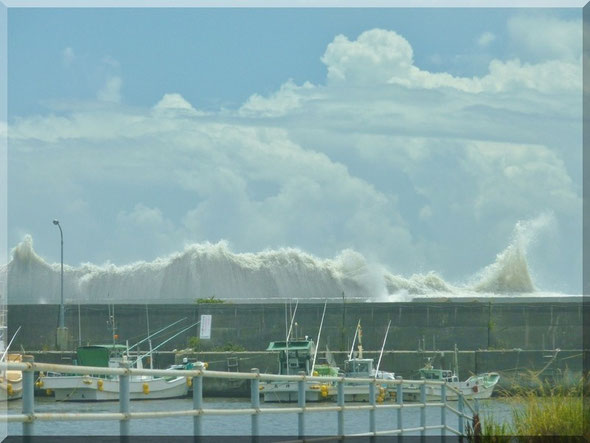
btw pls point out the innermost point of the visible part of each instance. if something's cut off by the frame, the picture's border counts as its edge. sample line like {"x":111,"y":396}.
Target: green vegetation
{"x":544,"y":411}
{"x":209,"y":300}
{"x":198,"y":345}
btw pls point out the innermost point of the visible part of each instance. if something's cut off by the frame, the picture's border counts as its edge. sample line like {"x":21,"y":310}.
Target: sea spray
{"x":212,"y":270}
{"x":510,"y":272}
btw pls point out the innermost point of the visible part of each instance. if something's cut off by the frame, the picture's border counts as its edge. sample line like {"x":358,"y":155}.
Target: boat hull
{"x":88,"y":388}
{"x":11,"y":390}
{"x":478,"y":386}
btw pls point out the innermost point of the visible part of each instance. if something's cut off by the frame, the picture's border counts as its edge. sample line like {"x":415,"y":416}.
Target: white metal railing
{"x":29,"y":417}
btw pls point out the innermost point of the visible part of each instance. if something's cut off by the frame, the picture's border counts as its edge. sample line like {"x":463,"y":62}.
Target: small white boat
{"x":478,"y":386}
{"x":71,"y":387}
{"x":359,"y":367}
{"x":11,"y":382}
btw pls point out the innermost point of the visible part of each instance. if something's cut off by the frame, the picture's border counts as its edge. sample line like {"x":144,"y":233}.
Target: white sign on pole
{"x":205,"y":332}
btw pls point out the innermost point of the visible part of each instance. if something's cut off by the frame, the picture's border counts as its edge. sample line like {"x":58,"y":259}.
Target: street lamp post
{"x":62,"y":331}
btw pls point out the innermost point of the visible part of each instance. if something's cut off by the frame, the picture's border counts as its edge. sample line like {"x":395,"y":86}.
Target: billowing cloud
{"x":542,"y":37}
{"x":485,"y":39}
{"x":406,"y":166}
{"x":111,"y":91}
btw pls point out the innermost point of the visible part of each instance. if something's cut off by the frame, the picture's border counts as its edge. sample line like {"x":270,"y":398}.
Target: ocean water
{"x":269,"y":275}
{"x":317,"y":423}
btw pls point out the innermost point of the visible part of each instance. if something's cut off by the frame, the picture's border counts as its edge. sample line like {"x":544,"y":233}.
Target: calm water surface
{"x":316,"y":423}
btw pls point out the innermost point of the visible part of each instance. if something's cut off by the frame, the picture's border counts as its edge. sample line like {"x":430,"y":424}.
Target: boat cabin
{"x":438,"y":374}
{"x":358,"y":367}
{"x":102,"y":356}
{"x":294,"y":356}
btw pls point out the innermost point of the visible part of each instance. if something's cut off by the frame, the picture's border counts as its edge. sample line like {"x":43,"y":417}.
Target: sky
{"x":416,"y":137}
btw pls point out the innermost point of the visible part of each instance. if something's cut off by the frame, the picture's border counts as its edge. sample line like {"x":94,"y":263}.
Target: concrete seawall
{"x":472,"y":325}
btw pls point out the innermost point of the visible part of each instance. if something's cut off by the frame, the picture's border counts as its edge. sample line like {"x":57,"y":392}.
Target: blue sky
{"x":417,"y":137}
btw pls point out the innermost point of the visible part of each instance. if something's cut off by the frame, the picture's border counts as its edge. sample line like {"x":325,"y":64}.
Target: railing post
{"x":423,"y":409}
{"x":341,"y":411}
{"x":28,"y":396}
{"x":373,"y":402}
{"x":255,"y":402}
{"x":461,"y":412}
{"x":124,"y":400}
{"x":443,"y":409}
{"x":198,"y":404}
{"x":399,"y":394}
{"x":301,"y":404}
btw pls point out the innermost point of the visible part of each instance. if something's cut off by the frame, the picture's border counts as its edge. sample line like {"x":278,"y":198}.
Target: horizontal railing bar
{"x":193,"y":412}
{"x":91,"y":370}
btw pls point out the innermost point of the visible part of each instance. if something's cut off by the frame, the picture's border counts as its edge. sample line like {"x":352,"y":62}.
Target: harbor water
{"x":316,"y":423}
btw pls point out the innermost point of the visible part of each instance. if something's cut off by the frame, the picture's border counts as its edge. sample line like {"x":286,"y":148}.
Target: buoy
{"x":39,"y":384}
{"x":316,"y":373}
{"x":48,"y":391}
{"x":146,"y":388}
{"x":99,"y":384}
{"x":380,"y":399}
{"x":205,"y":365}
{"x":9,"y":389}
{"x":324,"y":393}
{"x":189,"y":381}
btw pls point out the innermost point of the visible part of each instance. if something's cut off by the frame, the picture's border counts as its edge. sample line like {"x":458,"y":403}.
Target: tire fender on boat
{"x":99,"y":385}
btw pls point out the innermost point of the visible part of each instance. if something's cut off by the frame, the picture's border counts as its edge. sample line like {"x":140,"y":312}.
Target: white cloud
{"x":111,"y":91}
{"x":356,"y":162}
{"x":542,"y":37}
{"x":68,"y":56}
{"x":485,"y":39}
{"x":384,"y":57}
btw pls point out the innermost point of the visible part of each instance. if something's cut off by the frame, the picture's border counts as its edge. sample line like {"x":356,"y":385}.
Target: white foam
{"x":213,"y":270}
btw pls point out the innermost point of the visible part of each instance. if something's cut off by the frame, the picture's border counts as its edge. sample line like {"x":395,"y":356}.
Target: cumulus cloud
{"x":540,"y":37}
{"x":356,"y":162}
{"x":68,"y":56}
{"x":486,"y":39}
{"x":111,"y":91}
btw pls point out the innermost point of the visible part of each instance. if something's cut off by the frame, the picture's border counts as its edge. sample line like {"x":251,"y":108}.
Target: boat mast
{"x":164,"y":342}
{"x":382,"y":348}
{"x":317,"y":345}
{"x":289,"y":335}
{"x":456,"y":360}
{"x":354,"y":339}
{"x":8,"y":347}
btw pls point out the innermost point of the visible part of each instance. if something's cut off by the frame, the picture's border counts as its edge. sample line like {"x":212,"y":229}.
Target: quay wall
{"x":471,"y":325}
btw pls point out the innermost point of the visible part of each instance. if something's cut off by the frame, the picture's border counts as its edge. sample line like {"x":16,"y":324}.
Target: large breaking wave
{"x":213,"y":270}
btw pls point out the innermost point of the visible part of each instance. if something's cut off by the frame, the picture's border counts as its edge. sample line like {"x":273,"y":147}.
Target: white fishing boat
{"x":478,"y":386}
{"x":75,"y":387}
{"x":72,"y":387}
{"x":11,"y":382}
{"x":295,"y":356}
{"x":359,"y":367}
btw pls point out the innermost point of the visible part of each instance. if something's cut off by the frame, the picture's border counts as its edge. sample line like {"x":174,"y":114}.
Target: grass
{"x":544,"y":411}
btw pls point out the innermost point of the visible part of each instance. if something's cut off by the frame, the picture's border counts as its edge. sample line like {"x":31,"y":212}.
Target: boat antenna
{"x":317,"y":345}
{"x":157,"y":332}
{"x":8,"y":347}
{"x":382,"y":348}
{"x":165,"y":341}
{"x":354,"y":339}
{"x":456,"y":357}
{"x":289,"y":335}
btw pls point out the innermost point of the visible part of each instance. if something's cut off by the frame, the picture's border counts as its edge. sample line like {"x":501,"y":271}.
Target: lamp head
{"x":56,"y":222}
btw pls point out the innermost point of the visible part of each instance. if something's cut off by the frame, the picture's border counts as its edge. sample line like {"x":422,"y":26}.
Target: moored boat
{"x":72,"y":387}
{"x":480,"y":386}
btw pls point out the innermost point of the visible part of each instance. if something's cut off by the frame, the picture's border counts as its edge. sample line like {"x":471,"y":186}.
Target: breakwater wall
{"x":472,"y":325}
